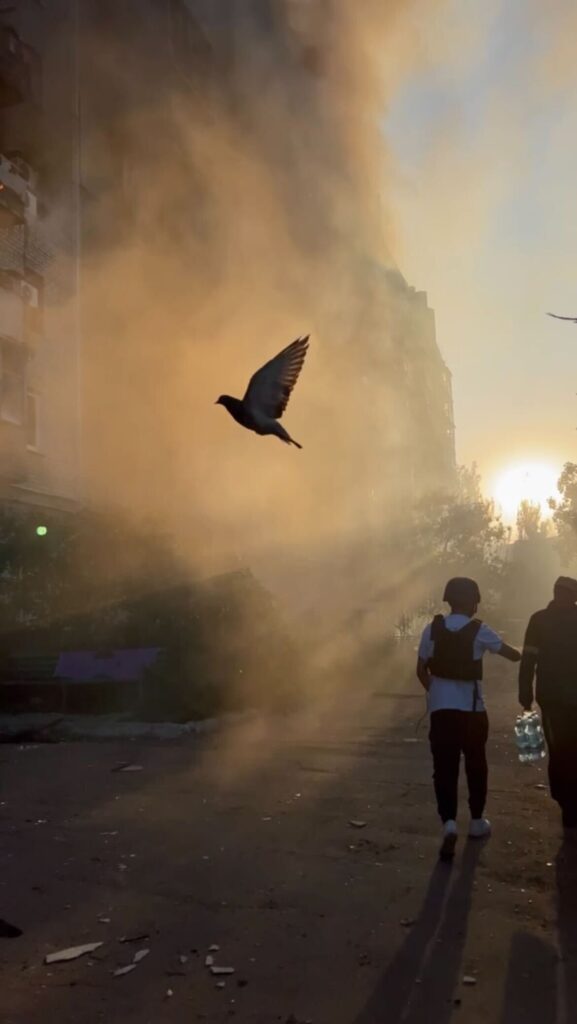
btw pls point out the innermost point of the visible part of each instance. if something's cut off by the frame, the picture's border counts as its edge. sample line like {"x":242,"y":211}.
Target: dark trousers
{"x":560,"y":728}
{"x":454,"y":733}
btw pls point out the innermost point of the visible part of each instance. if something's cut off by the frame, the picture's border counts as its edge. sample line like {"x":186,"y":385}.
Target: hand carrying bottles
{"x":529,"y":738}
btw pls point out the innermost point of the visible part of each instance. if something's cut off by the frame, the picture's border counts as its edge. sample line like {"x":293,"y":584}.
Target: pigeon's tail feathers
{"x":283,"y":435}
{"x":289,"y":440}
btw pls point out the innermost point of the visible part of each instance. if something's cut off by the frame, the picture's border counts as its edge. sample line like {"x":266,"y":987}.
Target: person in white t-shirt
{"x":450,"y":668}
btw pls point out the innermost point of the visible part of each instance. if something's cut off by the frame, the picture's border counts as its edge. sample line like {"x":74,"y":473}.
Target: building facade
{"x":173,"y":173}
{"x":40,"y":335}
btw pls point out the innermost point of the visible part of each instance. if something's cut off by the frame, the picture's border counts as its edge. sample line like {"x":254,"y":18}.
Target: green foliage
{"x":459,"y":534}
{"x":529,"y":521}
{"x":565,"y":513}
{"x":97,"y":582}
{"x":85,"y":562}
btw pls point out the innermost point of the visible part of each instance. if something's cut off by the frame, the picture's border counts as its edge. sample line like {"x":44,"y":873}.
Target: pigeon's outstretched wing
{"x":573,"y":319}
{"x":270,"y":387}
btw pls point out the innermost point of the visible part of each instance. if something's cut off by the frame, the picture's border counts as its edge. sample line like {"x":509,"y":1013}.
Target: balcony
{"x":18,"y":69}
{"x":13,"y":465}
{"x":18,"y":204}
{"x":20,"y":307}
{"x":13,"y":370}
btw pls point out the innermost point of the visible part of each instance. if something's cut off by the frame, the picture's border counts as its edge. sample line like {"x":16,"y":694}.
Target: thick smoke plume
{"x":253,"y":205}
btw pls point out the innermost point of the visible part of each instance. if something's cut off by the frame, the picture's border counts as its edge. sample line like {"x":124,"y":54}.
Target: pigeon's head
{"x":223,"y":400}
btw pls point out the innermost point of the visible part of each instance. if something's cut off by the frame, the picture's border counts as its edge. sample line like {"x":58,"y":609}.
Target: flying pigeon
{"x":573,"y":319}
{"x":268,"y":393}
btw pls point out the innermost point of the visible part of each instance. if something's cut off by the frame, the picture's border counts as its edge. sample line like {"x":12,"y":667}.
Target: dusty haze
{"x":261,"y":214}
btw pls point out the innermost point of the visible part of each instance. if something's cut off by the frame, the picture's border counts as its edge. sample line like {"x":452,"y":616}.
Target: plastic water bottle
{"x":536,"y":740}
{"x":522,"y":739}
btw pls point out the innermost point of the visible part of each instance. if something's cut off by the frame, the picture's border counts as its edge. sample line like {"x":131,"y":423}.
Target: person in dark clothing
{"x":450,"y":668}
{"x":550,"y":654}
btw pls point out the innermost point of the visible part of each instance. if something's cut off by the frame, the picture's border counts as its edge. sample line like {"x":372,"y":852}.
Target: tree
{"x":529,"y":520}
{"x":565,"y":513}
{"x":459,"y":533}
{"x":85,"y":561}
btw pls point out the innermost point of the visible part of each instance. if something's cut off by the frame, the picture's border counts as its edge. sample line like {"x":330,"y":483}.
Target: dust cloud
{"x":257,"y":212}
{"x":232,"y":207}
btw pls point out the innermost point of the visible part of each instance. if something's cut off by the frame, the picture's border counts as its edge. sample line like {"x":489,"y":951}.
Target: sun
{"x":525,"y":481}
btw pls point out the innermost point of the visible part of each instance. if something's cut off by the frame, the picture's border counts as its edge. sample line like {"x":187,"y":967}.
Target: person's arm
{"x":491,"y":641}
{"x":528,"y":664}
{"x":423,"y":674}
{"x":510,"y":653}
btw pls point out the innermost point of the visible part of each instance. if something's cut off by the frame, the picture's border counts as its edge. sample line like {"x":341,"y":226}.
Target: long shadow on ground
{"x":418,"y":985}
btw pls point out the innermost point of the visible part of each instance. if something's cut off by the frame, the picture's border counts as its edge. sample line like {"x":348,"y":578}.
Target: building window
{"x":32,"y":421}
{"x":12,"y":383}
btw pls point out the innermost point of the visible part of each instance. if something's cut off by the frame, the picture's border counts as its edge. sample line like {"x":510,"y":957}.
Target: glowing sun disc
{"x":525,"y":481}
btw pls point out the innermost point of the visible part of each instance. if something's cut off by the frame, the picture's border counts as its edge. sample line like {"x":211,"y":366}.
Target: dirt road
{"x":246,"y":841}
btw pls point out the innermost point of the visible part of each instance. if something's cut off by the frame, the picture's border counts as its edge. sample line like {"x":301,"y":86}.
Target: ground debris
{"x":127,"y":766}
{"x":221,"y":970}
{"x":407,"y":922}
{"x":357,"y":824}
{"x":71,"y":953}
{"x":121,"y":971}
{"x":469,"y":979}
{"x":140,"y":955}
{"x":139,"y":937}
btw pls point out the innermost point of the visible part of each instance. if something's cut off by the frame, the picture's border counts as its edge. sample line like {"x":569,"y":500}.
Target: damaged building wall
{"x":230,"y":158}
{"x":40,"y":388}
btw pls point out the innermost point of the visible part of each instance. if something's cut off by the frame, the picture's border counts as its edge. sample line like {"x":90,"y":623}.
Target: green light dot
{"x":41,"y":531}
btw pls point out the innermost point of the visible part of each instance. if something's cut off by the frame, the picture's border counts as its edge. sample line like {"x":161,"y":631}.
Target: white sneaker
{"x":447,"y":851}
{"x":479,"y":828}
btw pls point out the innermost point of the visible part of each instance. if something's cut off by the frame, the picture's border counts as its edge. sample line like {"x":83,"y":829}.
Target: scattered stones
{"x":121,"y":971}
{"x":72,"y":953}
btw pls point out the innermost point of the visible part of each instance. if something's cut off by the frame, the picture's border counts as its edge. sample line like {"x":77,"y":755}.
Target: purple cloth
{"x":116,"y":666}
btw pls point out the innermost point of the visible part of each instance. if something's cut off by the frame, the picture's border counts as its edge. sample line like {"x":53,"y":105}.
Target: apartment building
{"x":96,"y":240}
{"x":40,"y":321}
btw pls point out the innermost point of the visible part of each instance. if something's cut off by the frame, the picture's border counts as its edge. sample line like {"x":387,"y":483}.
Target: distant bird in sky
{"x":268,"y":393}
{"x":573,"y":319}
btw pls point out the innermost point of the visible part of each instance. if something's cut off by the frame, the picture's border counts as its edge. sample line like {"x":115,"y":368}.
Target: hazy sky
{"x":485,"y":195}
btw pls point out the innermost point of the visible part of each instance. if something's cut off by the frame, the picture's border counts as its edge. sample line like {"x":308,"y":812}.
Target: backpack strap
{"x":472,"y":628}
{"x":437,"y":625}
